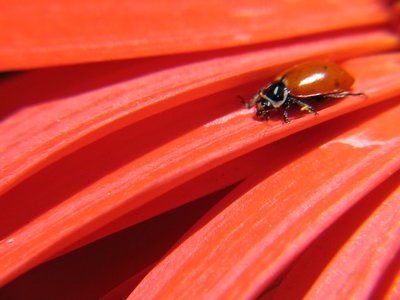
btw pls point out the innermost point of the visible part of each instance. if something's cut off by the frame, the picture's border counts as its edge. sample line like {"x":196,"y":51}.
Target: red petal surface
{"x":56,"y":118}
{"x":43,"y":33}
{"x":352,"y":259}
{"x":250,"y":237}
{"x":91,"y":155}
{"x":106,"y":192}
{"x":94,"y":270}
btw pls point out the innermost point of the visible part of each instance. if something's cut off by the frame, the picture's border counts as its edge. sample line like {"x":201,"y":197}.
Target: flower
{"x":129,"y":167}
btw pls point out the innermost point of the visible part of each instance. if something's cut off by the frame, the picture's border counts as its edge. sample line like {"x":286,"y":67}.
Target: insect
{"x":310,"y":81}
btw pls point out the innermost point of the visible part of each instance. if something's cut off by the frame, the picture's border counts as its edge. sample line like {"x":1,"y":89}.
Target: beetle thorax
{"x":276,"y":93}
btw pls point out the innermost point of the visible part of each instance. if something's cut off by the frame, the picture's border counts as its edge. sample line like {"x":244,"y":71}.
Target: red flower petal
{"x":145,"y":176}
{"x":42,"y":33}
{"x":362,"y":245}
{"x":251,"y":236}
{"x":89,"y":150}
{"x":83,"y":112}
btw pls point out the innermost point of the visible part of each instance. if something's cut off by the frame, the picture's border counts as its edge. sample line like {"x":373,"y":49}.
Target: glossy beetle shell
{"x":316,"y":78}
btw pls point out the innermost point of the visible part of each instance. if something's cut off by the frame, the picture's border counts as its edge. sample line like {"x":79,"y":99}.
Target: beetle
{"x":310,"y":81}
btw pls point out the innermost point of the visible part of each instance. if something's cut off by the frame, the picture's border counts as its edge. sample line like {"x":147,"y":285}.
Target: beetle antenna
{"x":244,"y":102}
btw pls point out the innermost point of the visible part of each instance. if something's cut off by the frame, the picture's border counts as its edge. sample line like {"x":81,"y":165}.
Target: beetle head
{"x":263,"y":108}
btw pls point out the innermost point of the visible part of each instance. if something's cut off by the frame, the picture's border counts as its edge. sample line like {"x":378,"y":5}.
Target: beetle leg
{"x":304,"y":106}
{"x":263,"y":115}
{"x":286,"y":111}
{"x":341,"y":95}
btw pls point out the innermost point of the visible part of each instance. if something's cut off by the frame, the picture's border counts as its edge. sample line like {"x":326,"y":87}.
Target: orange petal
{"x":139,"y":174}
{"x":102,"y":99}
{"x":353,"y":258}
{"x":41,"y":33}
{"x":241,"y":246}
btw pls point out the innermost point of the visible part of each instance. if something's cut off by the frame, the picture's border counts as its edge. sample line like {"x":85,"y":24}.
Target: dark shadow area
{"x":7,"y":75}
{"x":93,"y":270}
